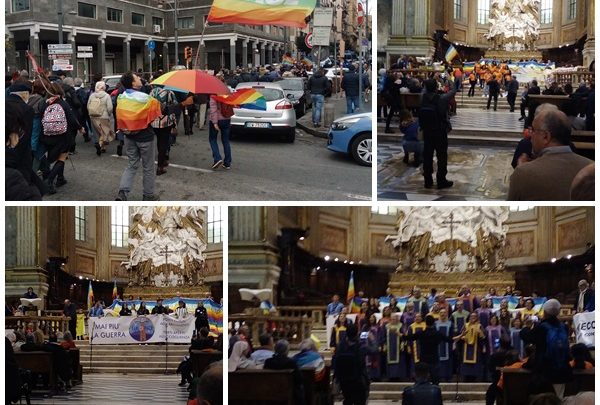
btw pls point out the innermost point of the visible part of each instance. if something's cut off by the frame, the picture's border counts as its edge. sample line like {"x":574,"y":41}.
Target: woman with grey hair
{"x":100,"y":110}
{"x":281,"y":361}
{"x":309,"y":357}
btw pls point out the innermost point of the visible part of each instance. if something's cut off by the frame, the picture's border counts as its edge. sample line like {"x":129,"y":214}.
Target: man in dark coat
{"x":350,"y":368}
{"x":513,"y":89}
{"x":494,"y":91}
{"x":423,"y":392}
{"x":70,"y":311}
{"x":201,"y":317}
{"x":350,"y":84}
{"x":281,"y":361}
{"x":434,"y":120}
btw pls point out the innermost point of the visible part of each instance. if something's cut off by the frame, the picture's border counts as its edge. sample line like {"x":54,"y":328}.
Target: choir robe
{"x":472,"y":362}
{"x":372,"y":359}
{"x":493,"y":335}
{"x":470,"y":301}
{"x":445,"y":350}
{"x":516,"y":342}
{"x":484,"y":315}
{"x":395,"y":355}
{"x":435,"y":315}
{"x":338,"y":334}
{"x":407,"y":319}
{"x":420,"y":305}
{"x":415,"y":346}
{"x":459,"y":319}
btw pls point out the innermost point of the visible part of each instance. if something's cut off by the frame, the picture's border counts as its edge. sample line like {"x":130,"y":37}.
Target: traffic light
{"x":188,"y":53}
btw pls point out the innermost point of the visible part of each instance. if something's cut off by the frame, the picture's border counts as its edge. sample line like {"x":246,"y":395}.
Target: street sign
{"x":61,"y":46}
{"x":64,"y":56}
{"x":61,"y":62}
{"x":308,"y":40}
{"x":85,"y":49}
{"x":151,"y":45}
{"x":62,"y":67}
{"x":320,"y":36}
{"x":85,"y":55}
{"x":60,"y":52}
{"x":323,"y":17}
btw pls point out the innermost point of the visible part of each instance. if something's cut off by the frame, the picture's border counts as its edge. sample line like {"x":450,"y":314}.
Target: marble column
{"x":101,"y":54}
{"x":421,"y":17}
{"x":245,"y":53}
{"x":232,"y":63}
{"x":277,"y":56}
{"x":262,"y":53}
{"x":270,"y":53}
{"x":26,"y":237}
{"x":589,"y":54}
{"x":254,"y":49}
{"x":545,"y":233}
{"x":127,"y":54}
{"x":103,"y":242}
{"x":398,"y":10}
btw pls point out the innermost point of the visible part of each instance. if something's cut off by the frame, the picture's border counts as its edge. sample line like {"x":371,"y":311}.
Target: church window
{"x":521,"y":207}
{"x":384,"y":210}
{"x":215,"y":225}
{"x":119,"y":225}
{"x":458,"y":9}
{"x":80,"y":223}
{"x":483,"y":11}
{"x":546,"y":12}
{"x":572,"y":9}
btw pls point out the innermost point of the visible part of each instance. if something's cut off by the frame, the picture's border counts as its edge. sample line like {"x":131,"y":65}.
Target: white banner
{"x":585,"y":328}
{"x":141,"y":329}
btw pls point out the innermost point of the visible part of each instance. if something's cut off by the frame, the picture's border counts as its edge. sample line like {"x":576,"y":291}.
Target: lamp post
{"x":161,"y":4}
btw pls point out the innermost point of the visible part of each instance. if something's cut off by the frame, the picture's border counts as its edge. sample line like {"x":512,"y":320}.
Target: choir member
{"x":515,"y":337}
{"x":484,"y":313}
{"x":394,"y":348}
{"x":472,"y":336}
{"x":444,"y":326}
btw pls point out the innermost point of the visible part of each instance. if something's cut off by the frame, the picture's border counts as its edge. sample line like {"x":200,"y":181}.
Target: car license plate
{"x":258,"y":125}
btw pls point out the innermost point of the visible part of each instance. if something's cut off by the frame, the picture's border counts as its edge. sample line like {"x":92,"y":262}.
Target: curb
{"x":312,"y":131}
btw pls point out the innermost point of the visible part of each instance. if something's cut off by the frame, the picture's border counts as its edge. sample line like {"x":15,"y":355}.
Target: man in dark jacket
{"x":513,"y":89}
{"x":318,"y":86}
{"x":350,"y":84}
{"x":533,"y":90}
{"x":281,"y":361}
{"x":433,"y":118}
{"x":494,"y":91}
{"x":70,"y":311}
{"x":350,"y":368}
{"x":201,"y":316}
{"x":423,"y":392}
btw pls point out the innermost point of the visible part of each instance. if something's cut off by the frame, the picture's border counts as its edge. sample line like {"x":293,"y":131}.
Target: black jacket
{"x":318,"y":84}
{"x":421,"y":393}
{"x":70,"y":311}
{"x":494,"y":87}
{"x":350,"y":84}
{"x":513,"y":86}
{"x":17,"y":188}
{"x":279,"y":362}
{"x":441,"y":102}
{"x":430,"y":340}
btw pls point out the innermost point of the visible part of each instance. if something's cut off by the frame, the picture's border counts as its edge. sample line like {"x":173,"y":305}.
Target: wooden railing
{"x":294,"y":329}
{"x":574,"y":77}
{"x":45,"y":323}
{"x":314,"y":312}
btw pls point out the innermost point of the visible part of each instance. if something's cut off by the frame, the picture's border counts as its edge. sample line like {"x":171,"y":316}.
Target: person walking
{"x":493,"y":92}
{"x":163,"y":126}
{"x":350,"y":368}
{"x":220,"y":122}
{"x":513,"y":89}
{"x":100,"y":110}
{"x":318,"y":86}
{"x":472,"y":83}
{"x":433,"y":118}
{"x":351,"y":85}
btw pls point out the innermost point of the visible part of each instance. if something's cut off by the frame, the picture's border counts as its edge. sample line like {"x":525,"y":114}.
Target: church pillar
{"x":545,"y":234}
{"x":22,"y":269}
{"x":589,"y":48}
{"x":359,"y":218}
{"x":410,"y":29}
{"x":103,"y":243}
{"x":398,"y":10}
{"x":421,"y":20}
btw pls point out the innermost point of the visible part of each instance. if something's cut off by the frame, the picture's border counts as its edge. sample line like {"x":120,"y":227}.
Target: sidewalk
{"x":339,"y":104}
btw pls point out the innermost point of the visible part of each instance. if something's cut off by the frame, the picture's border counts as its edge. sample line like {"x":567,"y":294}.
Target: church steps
{"x":393,"y":391}
{"x":446,"y":395}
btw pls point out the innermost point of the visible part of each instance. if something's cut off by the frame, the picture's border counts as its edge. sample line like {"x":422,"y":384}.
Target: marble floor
{"x":102,"y":389}
{"x":479,"y":173}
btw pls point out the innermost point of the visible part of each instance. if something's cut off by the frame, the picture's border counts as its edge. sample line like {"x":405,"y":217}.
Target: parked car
{"x":279,"y":118}
{"x":352,"y":135}
{"x":111,"y":82}
{"x":296,"y":90}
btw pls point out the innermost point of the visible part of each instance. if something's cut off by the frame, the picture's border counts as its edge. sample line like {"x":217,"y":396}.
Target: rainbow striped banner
{"x":288,"y":60}
{"x":90,"y":297}
{"x":290,"y":13}
{"x":244,"y":98}
{"x":351,"y":299}
{"x":136,"y":110}
{"x":468,"y":67}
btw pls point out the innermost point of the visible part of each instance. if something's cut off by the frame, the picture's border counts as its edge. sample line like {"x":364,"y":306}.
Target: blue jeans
{"x":317,"y":105}
{"x":136,"y":152}
{"x":351,"y":104}
{"x":225,"y":127}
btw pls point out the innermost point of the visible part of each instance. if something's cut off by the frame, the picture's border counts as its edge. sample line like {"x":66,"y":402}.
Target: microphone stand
{"x":91,"y":343}
{"x":166,"y":346}
{"x":458,"y":398}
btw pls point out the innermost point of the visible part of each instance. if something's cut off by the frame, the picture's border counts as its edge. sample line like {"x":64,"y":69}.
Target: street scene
{"x":166,"y":100}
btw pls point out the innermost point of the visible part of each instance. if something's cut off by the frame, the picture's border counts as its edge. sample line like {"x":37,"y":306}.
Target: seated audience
{"x":239,"y":357}
{"x":265,"y":351}
{"x":423,"y":391}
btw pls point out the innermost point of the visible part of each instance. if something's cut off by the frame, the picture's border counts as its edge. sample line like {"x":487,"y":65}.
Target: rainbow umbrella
{"x":244,"y":98}
{"x":192,"y":81}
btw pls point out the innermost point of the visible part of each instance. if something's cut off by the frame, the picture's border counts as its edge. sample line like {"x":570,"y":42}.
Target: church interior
{"x":286,"y":263}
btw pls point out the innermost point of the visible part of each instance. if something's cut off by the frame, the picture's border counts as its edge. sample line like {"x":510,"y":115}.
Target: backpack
{"x":96,"y":107}
{"x":166,"y":98}
{"x":54,"y":121}
{"x":429,"y":116}
{"x":557,"y":346}
{"x":226,"y":110}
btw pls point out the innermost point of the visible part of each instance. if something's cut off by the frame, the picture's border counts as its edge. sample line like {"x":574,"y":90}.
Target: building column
{"x":127,"y":53}
{"x":269,"y":53}
{"x":254,"y":48}
{"x":165,"y":53}
{"x":421,"y":23}
{"x":232,"y":63}
{"x":101,"y":53}
{"x":11,"y":60}
{"x":398,"y":10}
{"x":203,"y":59}
{"x":277,"y":55}
{"x":262,"y":53}
{"x":103,"y":242}
{"x":245,"y":53}
{"x":34,"y":44}
{"x":590,"y":44}
{"x":71,"y":38}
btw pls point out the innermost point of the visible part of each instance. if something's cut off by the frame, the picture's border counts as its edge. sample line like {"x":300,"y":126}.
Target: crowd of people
{"x":545,"y":152}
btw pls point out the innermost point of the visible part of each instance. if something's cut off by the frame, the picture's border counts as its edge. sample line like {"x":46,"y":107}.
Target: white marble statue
{"x":513,"y":21}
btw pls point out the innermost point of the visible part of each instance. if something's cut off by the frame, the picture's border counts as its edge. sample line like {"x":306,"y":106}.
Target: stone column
{"x":398,"y":10}
{"x":127,"y":54}
{"x":26,"y":237}
{"x":103,"y":242}
{"x":262,"y":53}
{"x":590,"y":43}
{"x":11,"y":60}
{"x":101,"y":53}
{"x":270,"y":53}
{"x":34,"y":45}
{"x":165,"y":53}
{"x":421,"y":16}
{"x":254,"y":48}
{"x":71,"y":37}
{"x":203,"y":59}
{"x":232,"y":63}
{"x":245,"y":53}
{"x":545,"y":233}
{"x":277,"y":55}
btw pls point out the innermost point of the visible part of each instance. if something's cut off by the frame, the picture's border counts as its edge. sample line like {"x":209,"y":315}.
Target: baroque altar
{"x":446,"y":247}
{"x":166,"y":252}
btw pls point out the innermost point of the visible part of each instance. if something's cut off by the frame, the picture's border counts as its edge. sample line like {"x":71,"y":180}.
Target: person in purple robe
{"x":444,"y":326}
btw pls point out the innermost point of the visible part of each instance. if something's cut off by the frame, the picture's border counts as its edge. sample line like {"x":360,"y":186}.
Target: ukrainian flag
{"x":451,"y":53}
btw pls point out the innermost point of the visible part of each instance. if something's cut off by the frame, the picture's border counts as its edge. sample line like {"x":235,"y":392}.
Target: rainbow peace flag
{"x":351,"y":298}
{"x":115,"y":292}
{"x":135,"y":110}
{"x":307,"y":62}
{"x":468,"y":67}
{"x":244,"y":98}
{"x":288,"y":60}
{"x":90,"y":297}
{"x":290,"y":13}
{"x":451,"y":53}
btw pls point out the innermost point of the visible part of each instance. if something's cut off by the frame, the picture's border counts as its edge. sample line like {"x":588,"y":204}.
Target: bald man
{"x":549,"y":176}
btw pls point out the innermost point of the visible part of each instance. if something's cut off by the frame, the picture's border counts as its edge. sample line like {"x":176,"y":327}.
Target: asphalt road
{"x":263,"y":169}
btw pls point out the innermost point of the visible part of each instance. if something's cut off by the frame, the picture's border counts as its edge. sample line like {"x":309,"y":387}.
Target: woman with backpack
{"x":100,"y":110}
{"x":163,"y":125}
{"x":37,"y":101}
{"x":220,"y":121}
{"x":59,"y":126}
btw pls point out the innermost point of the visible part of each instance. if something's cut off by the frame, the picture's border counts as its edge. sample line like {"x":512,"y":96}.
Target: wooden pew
{"x":584,"y":142}
{"x":557,"y":101}
{"x":517,"y":384}
{"x":317,"y":393}
{"x":76,"y":366}
{"x":202,"y":359}
{"x":261,"y":387}
{"x":38,"y":362}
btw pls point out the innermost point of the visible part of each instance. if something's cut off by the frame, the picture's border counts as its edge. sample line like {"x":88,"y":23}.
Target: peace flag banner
{"x":141,"y":329}
{"x":135,"y":110}
{"x":290,"y":13}
{"x":513,"y":301}
{"x":585,"y":328}
{"x":288,"y":60}
{"x":244,"y":98}
{"x":214,"y":310}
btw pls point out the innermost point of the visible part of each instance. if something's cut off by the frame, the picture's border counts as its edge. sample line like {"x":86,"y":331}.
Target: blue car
{"x":351,"y":134}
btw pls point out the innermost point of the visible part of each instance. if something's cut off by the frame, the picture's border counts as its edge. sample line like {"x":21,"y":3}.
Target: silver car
{"x":279,"y":117}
